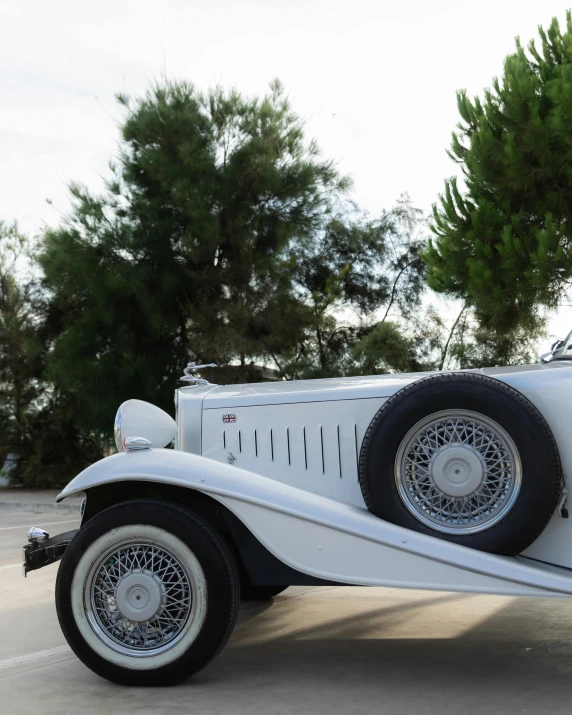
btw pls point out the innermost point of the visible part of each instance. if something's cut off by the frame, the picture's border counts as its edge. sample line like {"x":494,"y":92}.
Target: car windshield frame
{"x":564,"y":352}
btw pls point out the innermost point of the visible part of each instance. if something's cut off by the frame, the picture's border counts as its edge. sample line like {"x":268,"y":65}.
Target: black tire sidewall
{"x":531,"y":435}
{"x":220,"y":574}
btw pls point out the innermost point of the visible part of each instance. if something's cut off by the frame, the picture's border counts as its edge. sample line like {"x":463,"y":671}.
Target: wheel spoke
{"x":486,"y":444}
{"x":162,"y":570}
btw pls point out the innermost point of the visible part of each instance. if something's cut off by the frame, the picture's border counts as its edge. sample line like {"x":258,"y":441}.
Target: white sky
{"x":375,"y":80}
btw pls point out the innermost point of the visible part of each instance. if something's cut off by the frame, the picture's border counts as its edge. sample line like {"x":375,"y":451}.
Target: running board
{"x":355,"y":547}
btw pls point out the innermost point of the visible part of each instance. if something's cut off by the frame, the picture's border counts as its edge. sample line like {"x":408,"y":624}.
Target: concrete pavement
{"x":311,"y":650}
{"x":38,"y":501}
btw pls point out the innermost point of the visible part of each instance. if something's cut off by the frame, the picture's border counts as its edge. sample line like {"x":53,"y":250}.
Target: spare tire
{"x":463,"y":457}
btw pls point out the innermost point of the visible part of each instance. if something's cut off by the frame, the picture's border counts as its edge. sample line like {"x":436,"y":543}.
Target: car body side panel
{"x":314,"y":443}
{"x":314,"y":446}
{"x":327,"y":539}
{"x":550,"y":390}
{"x":332,"y":554}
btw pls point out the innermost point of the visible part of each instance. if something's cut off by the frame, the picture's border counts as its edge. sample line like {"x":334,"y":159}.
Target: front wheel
{"x":147,"y":593}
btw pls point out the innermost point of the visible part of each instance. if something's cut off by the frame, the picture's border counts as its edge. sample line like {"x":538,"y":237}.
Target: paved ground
{"x":37,"y":501}
{"x":318,"y":650}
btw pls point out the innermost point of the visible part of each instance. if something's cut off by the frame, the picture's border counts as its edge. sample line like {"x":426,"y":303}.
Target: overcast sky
{"x":375,"y":81}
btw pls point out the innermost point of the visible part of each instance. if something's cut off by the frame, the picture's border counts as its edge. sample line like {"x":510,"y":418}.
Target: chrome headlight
{"x":117,"y":429}
{"x":136,"y":418}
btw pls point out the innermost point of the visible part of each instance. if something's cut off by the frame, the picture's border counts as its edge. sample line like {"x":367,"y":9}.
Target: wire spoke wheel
{"x":147,"y":593}
{"x":138,"y":598}
{"x":458,"y":472}
{"x":464,"y":457}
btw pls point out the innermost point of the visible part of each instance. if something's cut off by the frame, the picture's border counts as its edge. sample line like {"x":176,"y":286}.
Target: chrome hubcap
{"x":138,"y":598}
{"x":458,"y":472}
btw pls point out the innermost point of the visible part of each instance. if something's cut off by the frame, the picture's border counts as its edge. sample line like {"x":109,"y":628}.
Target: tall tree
{"x":503,"y":242}
{"x":468,"y":344}
{"x":187,"y":249}
{"x":359,"y":283}
{"x":39,"y":434}
{"x":19,"y":350}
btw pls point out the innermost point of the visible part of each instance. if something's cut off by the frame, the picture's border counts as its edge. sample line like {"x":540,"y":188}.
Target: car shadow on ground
{"x":303,"y":655}
{"x":520,"y":656}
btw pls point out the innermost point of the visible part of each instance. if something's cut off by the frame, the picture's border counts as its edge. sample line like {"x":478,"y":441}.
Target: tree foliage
{"x":359,"y":282}
{"x":19,"y":349}
{"x":222,"y":235}
{"x":471,"y":345}
{"x":187,"y":248}
{"x":39,"y":435}
{"x":503,"y":242}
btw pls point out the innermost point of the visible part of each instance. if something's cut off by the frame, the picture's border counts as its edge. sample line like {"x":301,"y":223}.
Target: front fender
{"x":221,"y":481}
{"x":328,"y":539}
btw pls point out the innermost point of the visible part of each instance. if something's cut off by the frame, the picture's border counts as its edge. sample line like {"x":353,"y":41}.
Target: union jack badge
{"x":228,"y":418}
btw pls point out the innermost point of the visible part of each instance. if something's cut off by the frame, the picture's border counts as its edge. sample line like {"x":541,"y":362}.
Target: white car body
{"x":283,"y":458}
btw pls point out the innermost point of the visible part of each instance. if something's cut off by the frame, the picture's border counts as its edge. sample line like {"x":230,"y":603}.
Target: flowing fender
{"x":327,"y":539}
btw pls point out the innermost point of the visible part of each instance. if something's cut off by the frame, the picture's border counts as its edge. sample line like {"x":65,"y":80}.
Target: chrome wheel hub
{"x":138,"y":598}
{"x":458,"y":472}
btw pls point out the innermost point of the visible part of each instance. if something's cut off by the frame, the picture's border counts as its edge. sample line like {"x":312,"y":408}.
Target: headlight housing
{"x":136,"y":418}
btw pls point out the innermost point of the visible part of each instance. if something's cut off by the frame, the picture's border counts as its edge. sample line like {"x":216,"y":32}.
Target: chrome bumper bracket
{"x":37,"y":555}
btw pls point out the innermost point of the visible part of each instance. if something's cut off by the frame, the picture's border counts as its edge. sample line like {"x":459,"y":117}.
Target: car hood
{"x":338,"y":388}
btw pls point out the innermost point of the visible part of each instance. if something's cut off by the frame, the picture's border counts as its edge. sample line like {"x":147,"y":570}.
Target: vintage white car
{"x":451,"y":481}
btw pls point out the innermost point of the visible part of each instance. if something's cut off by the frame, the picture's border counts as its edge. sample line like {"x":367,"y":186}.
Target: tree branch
{"x":393,"y":289}
{"x":446,"y":348}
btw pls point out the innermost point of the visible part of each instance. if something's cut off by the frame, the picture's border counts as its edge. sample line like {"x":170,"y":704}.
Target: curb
{"x":38,"y":508}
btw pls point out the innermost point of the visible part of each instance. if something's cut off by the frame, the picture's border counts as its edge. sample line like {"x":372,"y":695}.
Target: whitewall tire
{"x":147,"y":593}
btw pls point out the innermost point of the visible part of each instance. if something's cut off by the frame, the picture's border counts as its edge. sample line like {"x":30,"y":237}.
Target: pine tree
{"x":19,"y":350}
{"x":503,"y":243}
{"x":39,"y":431}
{"x":360,"y":283}
{"x":187,"y":251}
